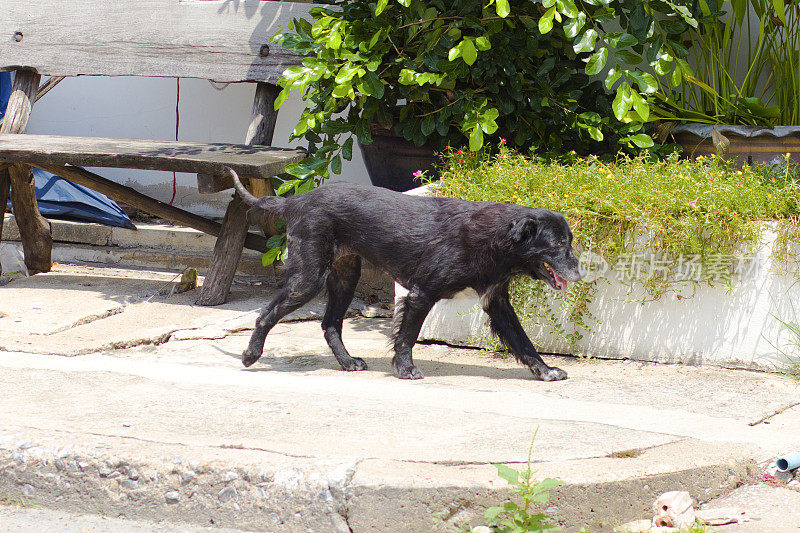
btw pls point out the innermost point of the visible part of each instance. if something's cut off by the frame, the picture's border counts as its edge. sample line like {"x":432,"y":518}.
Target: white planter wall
{"x":132,"y":107}
{"x":710,"y":325}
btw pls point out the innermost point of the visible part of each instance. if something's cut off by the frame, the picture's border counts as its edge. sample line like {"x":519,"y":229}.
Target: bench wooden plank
{"x":220,"y":40}
{"x":179,"y":156}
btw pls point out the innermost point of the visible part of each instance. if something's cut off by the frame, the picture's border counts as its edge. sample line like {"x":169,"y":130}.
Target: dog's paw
{"x":249,"y":357}
{"x":549,"y":374}
{"x":410,"y":372}
{"x":355,"y":364}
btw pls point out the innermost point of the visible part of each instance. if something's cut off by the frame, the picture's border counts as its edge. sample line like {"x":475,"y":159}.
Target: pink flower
{"x":460,"y":152}
{"x":417,"y":173}
{"x":693,"y":203}
{"x":461,"y":161}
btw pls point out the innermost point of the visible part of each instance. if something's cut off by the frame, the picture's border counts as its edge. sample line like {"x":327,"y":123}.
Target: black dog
{"x":435,"y":247}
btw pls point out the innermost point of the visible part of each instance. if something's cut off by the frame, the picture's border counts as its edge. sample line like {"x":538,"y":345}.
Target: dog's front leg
{"x":409,"y":318}
{"x":505,"y":324}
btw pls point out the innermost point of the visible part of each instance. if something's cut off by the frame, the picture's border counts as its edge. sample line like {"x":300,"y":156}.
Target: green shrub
{"x":679,"y":207}
{"x":441,"y":73}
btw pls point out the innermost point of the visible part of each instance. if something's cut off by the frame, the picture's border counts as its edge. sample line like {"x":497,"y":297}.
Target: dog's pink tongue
{"x":560,"y":282}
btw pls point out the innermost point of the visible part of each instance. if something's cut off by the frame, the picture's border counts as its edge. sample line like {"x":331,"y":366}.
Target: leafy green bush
{"x":451,"y":73}
{"x":629,"y":44}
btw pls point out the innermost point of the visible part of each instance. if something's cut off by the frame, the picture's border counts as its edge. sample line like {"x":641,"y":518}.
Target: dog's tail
{"x":270,"y":204}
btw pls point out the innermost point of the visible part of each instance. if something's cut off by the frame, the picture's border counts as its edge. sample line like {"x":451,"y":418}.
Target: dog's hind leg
{"x":409,"y":318}
{"x":307,"y":270}
{"x":505,"y":324}
{"x":341,"y":284}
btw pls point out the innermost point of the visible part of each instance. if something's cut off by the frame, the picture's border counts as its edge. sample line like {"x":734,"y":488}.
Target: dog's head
{"x":543,"y":240}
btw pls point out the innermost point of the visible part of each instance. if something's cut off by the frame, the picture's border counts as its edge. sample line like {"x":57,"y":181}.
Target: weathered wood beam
{"x":228,"y":248}
{"x":20,"y":102}
{"x":178,"y":156}
{"x":218,"y":40}
{"x":227,"y":252}
{"x":37,"y":241}
{"x":145,"y":203}
{"x":262,"y":123}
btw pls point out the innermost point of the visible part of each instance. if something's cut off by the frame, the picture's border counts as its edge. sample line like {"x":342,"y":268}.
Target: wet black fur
{"x":435,"y":247}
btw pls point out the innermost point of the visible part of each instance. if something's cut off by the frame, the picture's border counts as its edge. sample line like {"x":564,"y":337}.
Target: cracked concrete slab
{"x":79,"y":309}
{"x":180,"y":431}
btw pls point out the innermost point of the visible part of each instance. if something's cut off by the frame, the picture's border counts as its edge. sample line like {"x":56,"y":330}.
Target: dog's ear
{"x":523,"y":229}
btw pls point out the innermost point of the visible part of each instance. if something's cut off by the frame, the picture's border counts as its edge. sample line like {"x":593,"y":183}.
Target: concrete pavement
{"x":117,"y":400}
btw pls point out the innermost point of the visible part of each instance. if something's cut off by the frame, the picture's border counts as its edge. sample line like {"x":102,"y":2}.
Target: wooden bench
{"x":223,"y":41}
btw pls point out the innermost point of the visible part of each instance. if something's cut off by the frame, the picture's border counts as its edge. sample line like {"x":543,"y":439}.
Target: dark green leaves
{"x":629,"y":45}
{"x":503,"y":8}
{"x":468,"y":49}
{"x":640,"y":140}
{"x":586,"y":41}
{"x":276,"y":251}
{"x":597,"y":62}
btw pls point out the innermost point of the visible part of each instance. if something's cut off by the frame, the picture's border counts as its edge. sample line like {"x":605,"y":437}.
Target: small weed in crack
{"x":513,"y":517}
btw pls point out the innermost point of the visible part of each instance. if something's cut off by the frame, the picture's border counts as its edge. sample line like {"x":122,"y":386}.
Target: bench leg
{"x":227,"y":252}
{"x":37,"y":240}
{"x":228,"y":249}
{"x":5,"y":183}
{"x":265,"y":222}
{"x":261,"y":131}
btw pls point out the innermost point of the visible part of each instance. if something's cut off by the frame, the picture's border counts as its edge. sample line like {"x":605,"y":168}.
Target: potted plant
{"x":732,"y":67}
{"x":741,"y":98}
{"x":437,"y":74}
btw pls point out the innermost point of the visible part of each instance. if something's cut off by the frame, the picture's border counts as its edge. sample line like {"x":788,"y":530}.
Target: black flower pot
{"x":391,"y":162}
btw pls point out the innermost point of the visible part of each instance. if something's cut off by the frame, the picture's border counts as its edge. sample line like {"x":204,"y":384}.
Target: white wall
{"x":131,"y":107}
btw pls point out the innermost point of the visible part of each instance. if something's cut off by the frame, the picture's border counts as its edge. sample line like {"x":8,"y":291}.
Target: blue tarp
{"x":59,"y":198}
